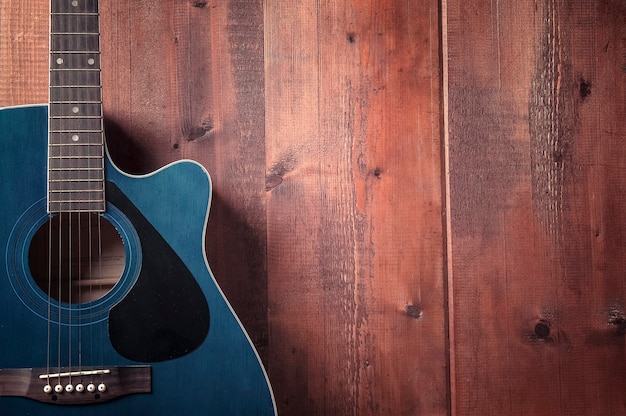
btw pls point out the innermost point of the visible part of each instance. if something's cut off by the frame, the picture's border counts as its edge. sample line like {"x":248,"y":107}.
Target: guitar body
{"x":166,"y":314}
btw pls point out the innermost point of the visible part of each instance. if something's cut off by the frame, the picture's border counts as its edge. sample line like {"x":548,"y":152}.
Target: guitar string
{"x":90,"y":256}
{"x":70,"y":236}
{"x":69,"y":296}
{"x":50,"y":218}
{"x":49,"y":312}
{"x":80,"y":297}
{"x":59,"y":293}
{"x":100,"y":289}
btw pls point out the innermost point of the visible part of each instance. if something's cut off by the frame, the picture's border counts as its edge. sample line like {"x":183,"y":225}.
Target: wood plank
{"x":536,"y":174}
{"x":23,"y":52}
{"x":354,"y":208}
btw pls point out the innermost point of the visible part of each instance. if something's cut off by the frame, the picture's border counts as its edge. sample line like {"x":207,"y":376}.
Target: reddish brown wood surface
{"x":354,"y":208}
{"x":23,"y":52}
{"x":536,"y":105}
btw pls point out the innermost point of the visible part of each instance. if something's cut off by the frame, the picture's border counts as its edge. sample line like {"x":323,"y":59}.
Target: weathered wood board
{"x":355,"y":251}
{"x":536,"y":104}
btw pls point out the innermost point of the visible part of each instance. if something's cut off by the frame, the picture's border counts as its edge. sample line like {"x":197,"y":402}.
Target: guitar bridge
{"x":88,"y":385}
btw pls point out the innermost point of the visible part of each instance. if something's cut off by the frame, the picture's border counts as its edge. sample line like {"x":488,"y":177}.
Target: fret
{"x":76,"y":202}
{"x":73,"y":164}
{"x":65,"y":170}
{"x":60,"y":157}
{"x":71,"y":6}
{"x":76,"y":102}
{"x":54,"y":145}
{"x":75,"y":13}
{"x":57,"y":183}
{"x":68,"y":69}
{"x":76,"y":33}
{"x":75,"y":131}
{"x":81,"y":193}
{"x":76,"y":194}
{"x":69,"y":196}
{"x":76,"y":85}
{"x":72,"y":110}
{"x":68,"y":117}
{"x":76,"y":187}
{"x":75,"y":52}
{"x":79,"y":160}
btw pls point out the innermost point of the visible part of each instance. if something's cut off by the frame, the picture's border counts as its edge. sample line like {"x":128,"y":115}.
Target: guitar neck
{"x":76,"y":137}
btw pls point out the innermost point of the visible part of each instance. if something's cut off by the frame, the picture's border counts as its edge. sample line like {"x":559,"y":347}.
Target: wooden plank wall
{"x":382,"y":264}
{"x":536,"y":106}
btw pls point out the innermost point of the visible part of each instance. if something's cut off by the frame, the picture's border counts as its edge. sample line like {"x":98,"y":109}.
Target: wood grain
{"x":354,"y":208}
{"x":536,"y":112}
{"x":23,"y":52}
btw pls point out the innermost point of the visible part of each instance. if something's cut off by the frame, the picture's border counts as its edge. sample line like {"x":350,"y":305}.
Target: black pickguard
{"x":165,"y":315}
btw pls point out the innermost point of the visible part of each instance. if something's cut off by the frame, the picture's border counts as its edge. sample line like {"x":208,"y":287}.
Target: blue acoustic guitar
{"x":107,"y":304}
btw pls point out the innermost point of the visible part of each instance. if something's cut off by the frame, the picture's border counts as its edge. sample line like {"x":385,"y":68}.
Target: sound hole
{"x":76,"y":257}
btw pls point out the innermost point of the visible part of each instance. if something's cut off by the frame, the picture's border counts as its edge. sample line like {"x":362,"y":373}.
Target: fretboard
{"x":75,"y":138}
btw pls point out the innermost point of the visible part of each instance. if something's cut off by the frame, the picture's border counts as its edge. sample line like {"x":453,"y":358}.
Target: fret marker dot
{"x":75,"y":3}
{"x":75,"y":138}
{"x":91,"y":61}
{"x":75,"y":110}
{"x":59,"y":61}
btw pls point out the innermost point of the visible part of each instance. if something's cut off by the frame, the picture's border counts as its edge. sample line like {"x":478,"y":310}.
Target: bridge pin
{"x":80,"y":388}
{"x":69,"y":388}
{"x":58,"y":388}
{"x":102,"y":387}
{"x":91,"y":388}
{"x":47,"y":389}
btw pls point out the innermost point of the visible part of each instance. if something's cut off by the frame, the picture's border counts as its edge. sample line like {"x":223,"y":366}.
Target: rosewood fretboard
{"x":76,"y":138}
